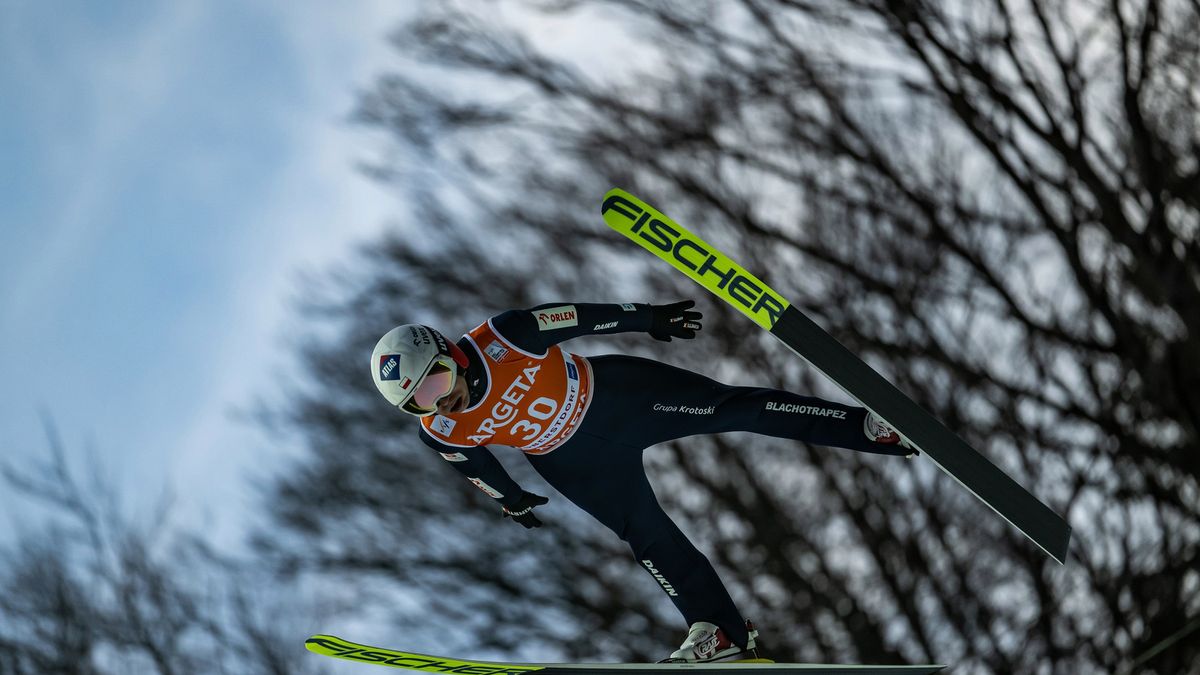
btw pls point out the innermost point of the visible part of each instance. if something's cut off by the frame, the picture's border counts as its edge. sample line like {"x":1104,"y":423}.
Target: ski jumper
{"x":584,"y":422}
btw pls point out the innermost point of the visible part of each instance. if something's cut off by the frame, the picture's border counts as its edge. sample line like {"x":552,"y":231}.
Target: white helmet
{"x":414,"y":366}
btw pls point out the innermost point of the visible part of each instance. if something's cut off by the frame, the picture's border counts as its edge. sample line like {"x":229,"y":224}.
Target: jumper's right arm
{"x":479,"y":466}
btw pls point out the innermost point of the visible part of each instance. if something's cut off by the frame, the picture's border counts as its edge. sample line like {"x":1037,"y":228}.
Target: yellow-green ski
{"x":329,"y":645}
{"x":693,"y":256}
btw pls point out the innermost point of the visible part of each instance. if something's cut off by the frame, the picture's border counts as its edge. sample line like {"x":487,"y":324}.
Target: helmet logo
{"x":387,"y":367}
{"x":419,"y":335}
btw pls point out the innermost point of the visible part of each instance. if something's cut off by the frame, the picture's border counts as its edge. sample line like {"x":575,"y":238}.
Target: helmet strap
{"x":458,"y":355}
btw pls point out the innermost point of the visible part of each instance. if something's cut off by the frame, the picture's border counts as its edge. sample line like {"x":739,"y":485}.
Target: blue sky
{"x":167,"y":170}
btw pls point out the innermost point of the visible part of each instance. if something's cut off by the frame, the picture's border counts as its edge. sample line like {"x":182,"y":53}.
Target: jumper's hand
{"x":522,"y":511}
{"x":674,"y":320}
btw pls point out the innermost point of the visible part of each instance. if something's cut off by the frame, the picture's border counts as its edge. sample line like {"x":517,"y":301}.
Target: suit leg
{"x":644,"y":402}
{"x":611,"y":485}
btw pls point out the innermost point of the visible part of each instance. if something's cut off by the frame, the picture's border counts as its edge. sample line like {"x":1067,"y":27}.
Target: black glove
{"x":674,"y":320}
{"x":522,"y":511}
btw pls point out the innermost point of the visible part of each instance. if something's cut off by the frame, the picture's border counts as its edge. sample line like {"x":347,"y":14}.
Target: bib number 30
{"x":541,"y":409}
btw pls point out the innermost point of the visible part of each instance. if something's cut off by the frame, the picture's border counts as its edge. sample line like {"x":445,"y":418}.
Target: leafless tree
{"x":996,"y":203}
{"x":93,"y":592}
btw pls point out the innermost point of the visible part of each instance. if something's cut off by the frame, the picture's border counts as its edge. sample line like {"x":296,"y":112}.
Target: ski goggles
{"x":437,"y":381}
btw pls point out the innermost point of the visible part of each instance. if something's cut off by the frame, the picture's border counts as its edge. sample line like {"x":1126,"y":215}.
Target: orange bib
{"x":533,"y":402}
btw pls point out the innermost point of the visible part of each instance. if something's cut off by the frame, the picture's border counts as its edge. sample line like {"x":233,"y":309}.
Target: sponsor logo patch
{"x":708,"y":647}
{"x":798,"y":409}
{"x":557,"y":317}
{"x":487,"y":489}
{"x":685,"y":409}
{"x":649,"y":564}
{"x":443,"y":425}
{"x":628,"y":307}
{"x":496,"y":350}
{"x":389,"y":367}
{"x":572,"y":371}
{"x":603,"y":326}
{"x":453,"y":456}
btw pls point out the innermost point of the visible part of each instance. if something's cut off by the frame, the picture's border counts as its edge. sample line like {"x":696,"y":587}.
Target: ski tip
{"x":619,"y":194}
{"x":320,"y":642}
{"x":1059,"y":549}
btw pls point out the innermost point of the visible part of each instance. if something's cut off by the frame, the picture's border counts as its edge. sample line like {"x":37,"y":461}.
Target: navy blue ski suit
{"x":637,"y":403}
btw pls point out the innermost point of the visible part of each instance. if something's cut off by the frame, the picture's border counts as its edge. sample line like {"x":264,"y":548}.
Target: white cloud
{"x":156,"y":398}
{"x":316,"y":207}
{"x":90,"y":104}
{"x":163,"y":406}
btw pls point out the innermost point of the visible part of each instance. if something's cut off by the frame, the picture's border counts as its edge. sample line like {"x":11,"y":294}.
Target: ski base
{"x":336,"y":647}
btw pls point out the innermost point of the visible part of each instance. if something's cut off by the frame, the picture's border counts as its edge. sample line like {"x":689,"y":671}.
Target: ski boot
{"x":705,"y":643}
{"x":881,"y":432}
